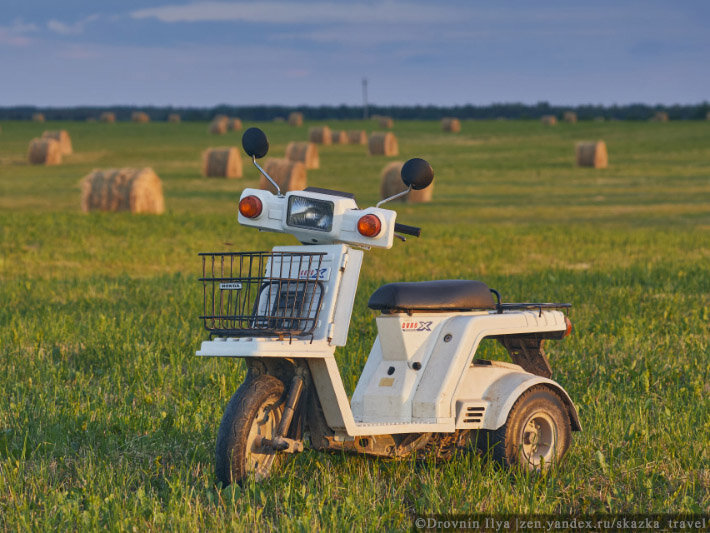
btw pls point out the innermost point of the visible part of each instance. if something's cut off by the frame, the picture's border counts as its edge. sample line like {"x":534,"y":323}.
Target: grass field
{"x":108,"y":420}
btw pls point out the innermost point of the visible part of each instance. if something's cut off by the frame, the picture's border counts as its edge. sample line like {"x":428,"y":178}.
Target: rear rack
{"x":262,"y":294}
{"x":500,"y":307}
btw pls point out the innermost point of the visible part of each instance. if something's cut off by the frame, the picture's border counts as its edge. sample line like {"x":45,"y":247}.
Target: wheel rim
{"x":539,"y":439}
{"x":258,"y":458}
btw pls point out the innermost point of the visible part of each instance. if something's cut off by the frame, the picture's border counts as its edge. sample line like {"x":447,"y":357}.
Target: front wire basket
{"x":262,"y":294}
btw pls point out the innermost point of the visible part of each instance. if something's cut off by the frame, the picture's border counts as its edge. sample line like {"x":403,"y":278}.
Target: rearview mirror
{"x":417,"y":174}
{"x":255,"y":143}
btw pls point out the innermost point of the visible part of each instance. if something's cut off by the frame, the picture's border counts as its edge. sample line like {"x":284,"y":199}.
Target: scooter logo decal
{"x":417,"y":326}
{"x":231,"y":286}
{"x":321,"y":274}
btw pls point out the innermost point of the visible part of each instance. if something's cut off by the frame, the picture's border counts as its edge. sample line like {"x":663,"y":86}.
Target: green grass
{"x":108,"y":420}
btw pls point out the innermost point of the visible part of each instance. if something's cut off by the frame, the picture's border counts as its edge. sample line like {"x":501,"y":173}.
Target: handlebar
{"x":407,"y":230}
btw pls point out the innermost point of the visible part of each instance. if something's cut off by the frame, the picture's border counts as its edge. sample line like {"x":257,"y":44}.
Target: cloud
{"x":70,"y":29}
{"x":281,"y":12}
{"x":16,"y":35}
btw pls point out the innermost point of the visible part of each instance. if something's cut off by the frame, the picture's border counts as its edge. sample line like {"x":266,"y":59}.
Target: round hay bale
{"x":44,"y":152}
{"x":391,"y":183}
{"x":290,"y":175}
{"x":279,"y":120}
{"x":62,"y":137}
{"x":91,"y":119}
{"x":383,"y":143}
{"x":338,"y":137}
{"x":223,"y":162}
{"x":549,"y":120}
{"x":591,"y":154}
{"x":450,"y":124}
{"x":305,"y":152}
{"x":140,"y":117}
{"x":174,"y":118}
{"x":38,"y":117}
{"x":385,"y":122}
{"x":234,"y":124}
{"x":138,"y":190}
{"x":570,"y":117}
{"x":219,"y":125}
{"x":320,"y":135}
{"x":357,"y":137}
{"x":660,"y":116}
{"x":707,"y":117}
{"x":107,"y":117}
{"x":295,"y":119}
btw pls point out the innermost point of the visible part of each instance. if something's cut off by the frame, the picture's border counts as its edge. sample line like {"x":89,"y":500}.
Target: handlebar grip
{"x":407,"y":230}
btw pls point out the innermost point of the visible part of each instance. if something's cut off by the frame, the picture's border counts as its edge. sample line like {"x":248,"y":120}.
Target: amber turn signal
{"x":250,"y":206}
{"x":369,"y":226}
{"x":568,"y":323}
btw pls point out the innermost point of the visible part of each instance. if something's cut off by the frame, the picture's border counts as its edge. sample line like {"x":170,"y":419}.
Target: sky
{"x":316,"y":52}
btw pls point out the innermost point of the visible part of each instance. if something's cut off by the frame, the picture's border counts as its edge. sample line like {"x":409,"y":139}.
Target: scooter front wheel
{"x":253,"y":413}
{"x":537,"y":432}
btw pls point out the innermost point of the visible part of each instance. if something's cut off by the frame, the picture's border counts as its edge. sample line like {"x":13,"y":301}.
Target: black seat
{"x":438,"y":295}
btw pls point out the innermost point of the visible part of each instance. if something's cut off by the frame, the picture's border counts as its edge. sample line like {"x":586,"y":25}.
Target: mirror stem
{"x":398,"y":195}
{"x":263,"y":172}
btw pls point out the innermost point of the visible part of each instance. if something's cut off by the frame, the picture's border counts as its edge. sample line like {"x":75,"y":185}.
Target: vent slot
{"x":473,"y":415}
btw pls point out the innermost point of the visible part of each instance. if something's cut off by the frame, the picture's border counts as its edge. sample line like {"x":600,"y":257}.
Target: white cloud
{"x":70,"y":29}
{"x":16,"y":35}
{"x":279,"y":12}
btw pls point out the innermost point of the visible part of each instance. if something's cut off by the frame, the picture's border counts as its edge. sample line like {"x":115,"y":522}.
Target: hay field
{"x":107,"y":420}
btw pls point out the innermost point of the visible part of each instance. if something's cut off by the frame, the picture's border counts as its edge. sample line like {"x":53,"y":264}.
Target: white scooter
{"x":421,"y":391}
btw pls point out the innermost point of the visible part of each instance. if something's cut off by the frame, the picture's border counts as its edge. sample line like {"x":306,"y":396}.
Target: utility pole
{"x":364,"y":99}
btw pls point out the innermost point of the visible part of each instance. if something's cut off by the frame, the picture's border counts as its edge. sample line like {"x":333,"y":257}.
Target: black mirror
{"x":417,"y":174}
{"x":255,"y":143}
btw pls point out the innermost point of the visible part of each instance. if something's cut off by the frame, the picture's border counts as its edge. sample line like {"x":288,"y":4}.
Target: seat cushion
{"x":438,"y":295}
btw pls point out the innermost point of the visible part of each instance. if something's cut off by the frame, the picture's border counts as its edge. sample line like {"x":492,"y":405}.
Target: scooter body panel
{"x":391,"y":387}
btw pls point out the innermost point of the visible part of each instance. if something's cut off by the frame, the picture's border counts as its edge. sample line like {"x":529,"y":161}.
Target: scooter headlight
{"x":310,"y":213}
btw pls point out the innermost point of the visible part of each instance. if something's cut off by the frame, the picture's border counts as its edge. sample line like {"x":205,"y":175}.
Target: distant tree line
{"x":351,"y":112}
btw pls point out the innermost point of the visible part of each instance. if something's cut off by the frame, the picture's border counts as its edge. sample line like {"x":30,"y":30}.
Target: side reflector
{"x":250,"y":206}
{"x":369,"y":226}
{"x":569,"y":326}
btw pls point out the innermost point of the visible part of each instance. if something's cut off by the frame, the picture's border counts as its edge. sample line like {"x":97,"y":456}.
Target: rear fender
{"x":493,"y":389}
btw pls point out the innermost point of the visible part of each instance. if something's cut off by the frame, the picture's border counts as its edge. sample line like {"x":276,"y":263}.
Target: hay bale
{"x":549,"y":120}
{"x":305,"y":152}
{"x":44,"y":152}
{"x":357,"y":137}
{"x":320,"y":135}
{"x":174,"y":118}
{"x":707,"y":117}
{"x":338,"y":137}
{"x":279,"y":120}
{"x":450,"y":124}
{"x":591,"y":154}
{"x":62,"y":137}
{"x":290,"y":175}
{"x":570,"y":117}
{"x":391,"y":183}
{"x":234,"y":124}
{"x":138,"y":190}
{"x":219,"y":125}
{"x":385,"y":122}
{"x":223,"y":162}
{"x":140,"y":117}
{"x":37,"y":117}
{"x":383,"y":143}
{"x":107,"y":117}
{"x":295,"y":119}
{"x":660,"y":116}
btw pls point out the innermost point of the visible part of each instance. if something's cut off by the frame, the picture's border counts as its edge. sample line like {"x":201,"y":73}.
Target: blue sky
{"x":204,"y":53}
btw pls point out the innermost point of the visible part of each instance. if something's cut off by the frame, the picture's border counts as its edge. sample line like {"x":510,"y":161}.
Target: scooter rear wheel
{"x":253,"y":411}
{"x":537,"y":432}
